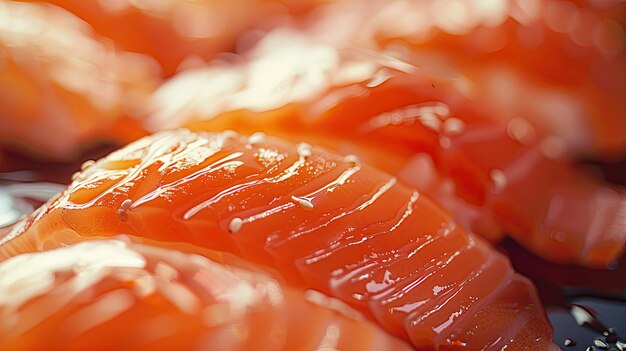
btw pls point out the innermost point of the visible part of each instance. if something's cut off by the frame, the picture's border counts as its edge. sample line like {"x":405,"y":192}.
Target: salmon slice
{"x":114,"y":295}
{"x":179,"y":30}
{"x":499,"y":175}
{"x":323,"y":221}
{"x":61,"y":86}
{"x":562,"y":64}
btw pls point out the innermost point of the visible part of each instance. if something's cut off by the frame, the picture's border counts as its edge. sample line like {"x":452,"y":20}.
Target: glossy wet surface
{"x":587,"y":307}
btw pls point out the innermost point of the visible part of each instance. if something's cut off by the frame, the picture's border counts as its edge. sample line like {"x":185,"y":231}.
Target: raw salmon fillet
{"x":323,"y":221}
{"x":62,"y":87}
{"x":114,"y":295}
{"x":178,"y":30}
{"x":562,"y":62}
{"x":496,"y":171}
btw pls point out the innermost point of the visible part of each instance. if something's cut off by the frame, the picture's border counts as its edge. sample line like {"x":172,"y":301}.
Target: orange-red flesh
{"x":323,"y":221}
{"x":114,"y":295}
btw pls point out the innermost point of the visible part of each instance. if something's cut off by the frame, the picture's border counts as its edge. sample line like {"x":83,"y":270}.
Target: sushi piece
{"x":561,"y":64}
{"x":325,"y":222}
{"x":61,"y":87}
{"x":114,"y":295}
{"x":179,"y":30}
{"x":497,"y":174}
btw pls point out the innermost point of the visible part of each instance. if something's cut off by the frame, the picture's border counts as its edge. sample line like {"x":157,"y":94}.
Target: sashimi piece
{"x":323,"y":221}
{"x":178,"y":30}
{"x":561,"y":63}
{"x":497,"y":175}
{"x":114,"y":295}
{"x":61,"y":86}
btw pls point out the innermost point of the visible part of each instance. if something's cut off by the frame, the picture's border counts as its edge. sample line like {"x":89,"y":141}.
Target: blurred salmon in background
{"x":173,"y":31}
{"x":563,"y":63}
{"x":77,"y":75}
{"x":62,"y":86}
{"x":559,"y":64}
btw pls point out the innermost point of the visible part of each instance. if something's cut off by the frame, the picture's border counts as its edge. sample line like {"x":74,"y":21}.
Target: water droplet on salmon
{"x":453,"y":126}
{"x":445,"y":142}
{"x":87,"y":164}
{"x":351,"y":159}
{"x":520,"y":130}
{"x":235,"y":225}
{"x":430,"y":120}
{"x":304,"y":150}
{"x":499,"y":180}
{"x":304,"y":203}
{"x":121,"y":212}
{"x":553,"y":147}
{"x":256,"y":138}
